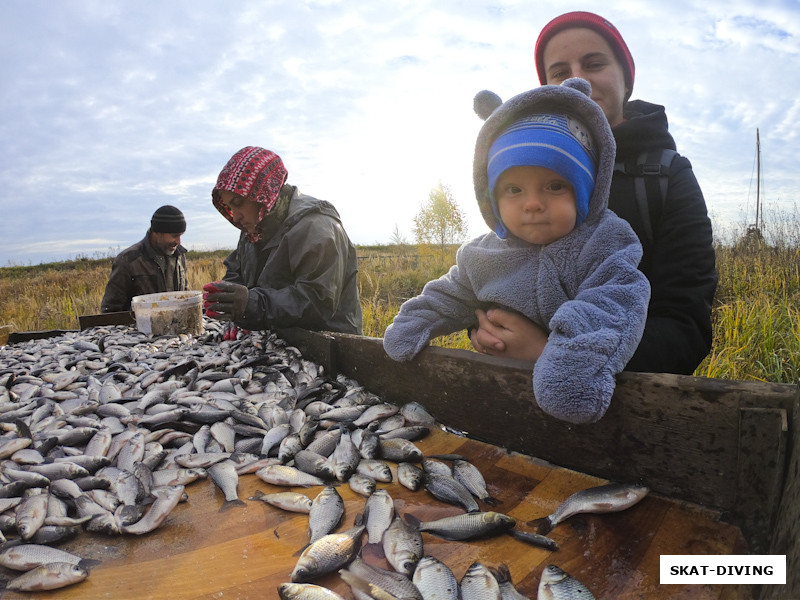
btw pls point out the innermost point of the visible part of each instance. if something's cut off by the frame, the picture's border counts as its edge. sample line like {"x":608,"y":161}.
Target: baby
{"x":556,"y":254}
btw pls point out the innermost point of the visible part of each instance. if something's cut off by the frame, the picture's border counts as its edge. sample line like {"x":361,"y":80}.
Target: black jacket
{"x":680,"y":264}
{"x":139,"y":270}
{"x":300,"y":274}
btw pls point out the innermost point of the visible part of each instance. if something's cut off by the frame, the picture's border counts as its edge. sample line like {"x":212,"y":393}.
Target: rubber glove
{"x":224,"y":300}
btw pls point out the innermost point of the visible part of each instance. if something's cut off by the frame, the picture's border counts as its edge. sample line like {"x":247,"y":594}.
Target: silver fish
{"x":306,"y":591}
{"x":469,"y":526}
{"x":51,"y":576}
{"x":375,"y":413}
{"x":400,"y":450}
{"x":314,"y":464}
{"x":31,"y":514}
{"x":345,"y":457}
{"x":478,"y":583}
{"x":379,"y":514}
{"x":291,"y":501}
{"x":378,"y":582}
{"x":225,"y":477}
{"x":447,"y":489}
{"x":612,"y":497}
{"x":435,"y":580}
{"x":288,"y":476}
{"x":556,"y":584}
{"x":534,"y":539}
{"x":328,"y":554}
{"x":416,"y":414}
{"x":376,"y":469}
{"x":25,"y":557}
{"x":470,"y":476}
{"x":410,"y":476}
{"x":327,"y":510}
{"x":361,"y":484}
{"x":411,"y":433}
{"x":182,"y":476}
{"x":167,"y":498}
{"x":402,"y":546}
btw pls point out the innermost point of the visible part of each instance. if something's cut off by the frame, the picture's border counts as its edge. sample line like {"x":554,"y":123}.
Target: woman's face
{"x":244,"y":211}
{"x":583,"y":53}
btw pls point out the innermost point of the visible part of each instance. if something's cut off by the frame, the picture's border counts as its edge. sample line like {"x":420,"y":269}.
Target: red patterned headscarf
{"x":253,"y":173}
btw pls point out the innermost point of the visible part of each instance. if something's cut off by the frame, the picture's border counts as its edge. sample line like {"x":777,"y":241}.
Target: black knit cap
{"x":168,"y":219}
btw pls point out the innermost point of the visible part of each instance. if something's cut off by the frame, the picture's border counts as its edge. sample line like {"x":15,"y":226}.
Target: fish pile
{"x":104,"y":429}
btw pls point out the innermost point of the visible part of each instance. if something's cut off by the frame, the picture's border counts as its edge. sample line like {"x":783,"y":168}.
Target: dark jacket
{"x":302,"y":273}
{"x":138,"y":270}
{"x":680,"y":264}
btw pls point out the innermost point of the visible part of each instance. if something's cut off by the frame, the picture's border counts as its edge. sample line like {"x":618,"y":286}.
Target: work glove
{"x":231,"y":331}
{"x":224,"y":300}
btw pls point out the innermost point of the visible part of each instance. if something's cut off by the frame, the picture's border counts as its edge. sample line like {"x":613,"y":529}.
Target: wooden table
{"x":246,"y":552}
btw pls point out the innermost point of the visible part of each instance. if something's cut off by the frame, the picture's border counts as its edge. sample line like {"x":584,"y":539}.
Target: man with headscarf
{"x":294,"y":265}
{"x":155,"y":264}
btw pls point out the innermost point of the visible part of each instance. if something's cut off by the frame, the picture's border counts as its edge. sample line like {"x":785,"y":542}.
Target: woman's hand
{"x":224,"y":300}
{"x":509,"y":334}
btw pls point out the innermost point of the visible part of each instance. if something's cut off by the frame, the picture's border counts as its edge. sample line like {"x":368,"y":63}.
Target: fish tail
{"x":490,"y":500}
{"x":228,"y":504}
{"x":88,"y":563}
{"x":543,"y":526}
{"x":411,"y":520}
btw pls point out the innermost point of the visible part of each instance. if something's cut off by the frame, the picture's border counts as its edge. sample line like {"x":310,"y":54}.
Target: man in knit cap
{"x":555,"y":254}
{"x":294,"y":265}
{"x":155,"y":264}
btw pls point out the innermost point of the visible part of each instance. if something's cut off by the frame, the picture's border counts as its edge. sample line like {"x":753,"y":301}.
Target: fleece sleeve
{"x":594,"y":335}
{"x":445,"y":305}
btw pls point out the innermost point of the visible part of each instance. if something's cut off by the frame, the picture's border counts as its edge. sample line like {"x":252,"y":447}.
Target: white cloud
{"x":113,"y":109}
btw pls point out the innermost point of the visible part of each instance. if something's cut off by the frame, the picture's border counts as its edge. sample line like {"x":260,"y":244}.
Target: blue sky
{"x":111,"y":109}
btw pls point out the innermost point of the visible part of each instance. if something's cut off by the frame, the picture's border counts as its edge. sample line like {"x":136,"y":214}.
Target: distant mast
{"x":759,"y":216}
{"x":755,"y":229}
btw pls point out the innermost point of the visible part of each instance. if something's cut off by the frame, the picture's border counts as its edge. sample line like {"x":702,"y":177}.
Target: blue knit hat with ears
{"x":556,"y":126}
{"x":558,"y":142}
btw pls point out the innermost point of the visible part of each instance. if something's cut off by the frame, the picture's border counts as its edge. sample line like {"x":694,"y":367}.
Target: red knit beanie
{"x":595,"y":23}
{"x":253,"y":173}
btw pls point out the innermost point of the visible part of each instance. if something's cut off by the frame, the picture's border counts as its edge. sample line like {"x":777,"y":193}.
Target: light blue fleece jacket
{"x":584,"y":289}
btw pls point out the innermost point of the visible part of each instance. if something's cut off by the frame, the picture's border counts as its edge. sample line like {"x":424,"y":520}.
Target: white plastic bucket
{"x":169,"y":313}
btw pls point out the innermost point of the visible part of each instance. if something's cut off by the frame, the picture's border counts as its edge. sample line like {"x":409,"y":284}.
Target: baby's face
{"x":536,"y":204}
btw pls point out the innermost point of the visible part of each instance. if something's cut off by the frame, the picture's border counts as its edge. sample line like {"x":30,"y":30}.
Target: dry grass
{"x":756,"y":313}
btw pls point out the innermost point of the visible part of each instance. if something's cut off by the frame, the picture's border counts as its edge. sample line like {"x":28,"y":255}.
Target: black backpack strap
{"x":650,"y":183}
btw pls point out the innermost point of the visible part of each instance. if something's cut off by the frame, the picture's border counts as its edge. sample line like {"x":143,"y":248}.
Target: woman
{"x":676,"y":236}
{"x":294,"y":265}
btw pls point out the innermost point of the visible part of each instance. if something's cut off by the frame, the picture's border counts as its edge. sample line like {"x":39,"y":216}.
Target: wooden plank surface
{"x":679,"y":434}
{"x":246,"y":552}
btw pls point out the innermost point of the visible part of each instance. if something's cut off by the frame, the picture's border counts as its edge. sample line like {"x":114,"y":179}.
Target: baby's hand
{"x":505,"y":333}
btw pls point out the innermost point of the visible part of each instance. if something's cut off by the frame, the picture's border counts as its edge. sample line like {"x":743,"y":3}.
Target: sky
{"x":109,"y":110}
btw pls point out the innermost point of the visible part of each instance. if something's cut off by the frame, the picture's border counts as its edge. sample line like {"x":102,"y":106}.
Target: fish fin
{"x":22,"y":429}
{"x":373,"y":549}
{"x":501,"y":573}
{"x":299,"y":552}
{"x":228,"y":504}
{"x":543,"y":526}
{"x":452,"y":457}
{"x":411,"y":520}
{"x":88,"y":563}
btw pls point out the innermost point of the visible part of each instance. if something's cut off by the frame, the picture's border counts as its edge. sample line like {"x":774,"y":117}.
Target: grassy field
{"x":756,"y":311}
